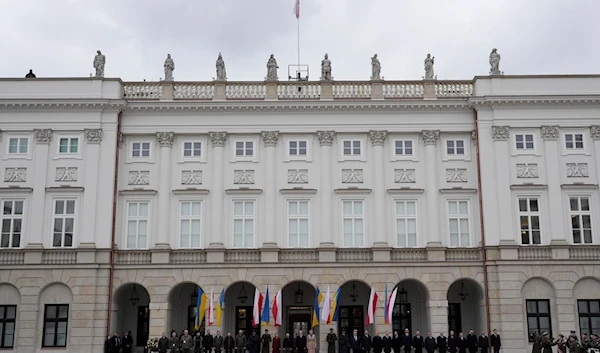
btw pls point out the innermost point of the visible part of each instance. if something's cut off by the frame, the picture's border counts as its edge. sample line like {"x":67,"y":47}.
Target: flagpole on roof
{"x":297,"y":13}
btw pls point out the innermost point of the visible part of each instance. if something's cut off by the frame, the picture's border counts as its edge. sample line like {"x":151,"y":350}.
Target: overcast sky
{"x":59,"y":38}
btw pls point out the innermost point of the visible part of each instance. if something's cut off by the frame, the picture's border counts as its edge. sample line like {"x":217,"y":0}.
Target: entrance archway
{"x":410,"y":308}
{"x":354,"y":297}
{"x":131,"y":312}
{"x":182,"y":308}
{"x":239,"y":305}
{"x":298,"y":298}
{"x":465,"y":307}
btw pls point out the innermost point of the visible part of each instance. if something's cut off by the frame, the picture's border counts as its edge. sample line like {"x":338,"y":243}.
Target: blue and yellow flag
{"x":316,"y":312}
{"x":335,"y":306}
{"x":200,"y":308}
{"x":219,"y":310}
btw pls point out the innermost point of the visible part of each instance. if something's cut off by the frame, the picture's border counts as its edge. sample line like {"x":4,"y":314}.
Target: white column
{"x":93,"y":137}
{"x":595,"y":135}
{"x":502,"y":194}
{"x":39,"y":173}
{"x":325,"y":188}
{"x":270,"y":139}
{"x":165,"y":140}
{"x":430,"y":139}
{"x":379,"y":188}
{"x":558,"y":233}
{"x":216,"y":235}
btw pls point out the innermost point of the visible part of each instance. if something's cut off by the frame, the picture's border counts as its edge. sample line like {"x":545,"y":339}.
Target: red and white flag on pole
{"x":297,"y":9}
{"x":277,"y":309}
{"x":372,"y":304}
{"x":257,"y":310}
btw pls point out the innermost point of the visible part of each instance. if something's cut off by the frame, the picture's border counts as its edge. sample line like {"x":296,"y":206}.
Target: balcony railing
{"x":408,"y":255}
{"x":463,"y":255}
{"x":187,"y":257}
{"x":59,"y":257}
{"x":535,"y":253}
{"x":242,"y":255}
{"x":298,"y":255}
{"x":12,"y":257}
{"x":301,"y":90}
{"x":134,"y":257}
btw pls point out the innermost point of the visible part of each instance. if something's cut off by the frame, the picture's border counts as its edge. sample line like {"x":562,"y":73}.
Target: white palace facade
{"x":477,"y":198}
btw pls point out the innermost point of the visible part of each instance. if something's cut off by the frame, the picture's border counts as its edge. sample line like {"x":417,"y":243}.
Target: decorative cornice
{"x":58,"y":105}
{"x":500,"y":132}
{"x":43,"y":136}
{"x":218,"y":139}
{"x":377,"y":137}
{"x":93,"y":135}
{"x":550,"y":132}
{"x":165,"y":139}
{"x":534,"y":101}
{"x":326,"y":137}
{"x":430,"y":137}
{"x":595,"y":132}
{"x":270,"y":138}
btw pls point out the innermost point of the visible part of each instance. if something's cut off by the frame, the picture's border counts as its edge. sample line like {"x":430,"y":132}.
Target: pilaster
{"x":595,"y":135}
{"x":326,"y":190}
{"x":165,"y":140}
{"x":271,"y":90}
{"x":218,"y":140}
{"x":42,"y":139}
{"x":377,"y":90}
{"x":378,"y":141}
{"x":326,"y":90}
{"x":270,"y":139}
{"x":220,"y":91}
{"x":430,"y":140}
{"x":550,"y":134}
{"x":501,"y":148}
{"x":158,"y":319}
{"x":93,"y":138}
{"x":167,"y":91}
{"x":438,"y":315}
{"x":429,"y":89}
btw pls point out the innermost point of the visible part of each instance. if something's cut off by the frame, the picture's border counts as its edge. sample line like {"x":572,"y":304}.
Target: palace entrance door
{"x":298,"y":318}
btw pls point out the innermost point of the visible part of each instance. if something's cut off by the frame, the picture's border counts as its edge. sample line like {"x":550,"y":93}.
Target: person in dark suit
{"x":430,"y":343}
{"x":462,"y":343}
{"x":115,"y":343}
{"x":127,"y":342}
{"x":452,"y":343}
{"x":417,"y":342}
{"x":355,"y":342}
{"x":484,"y":343}
{"x":496,"y":342}
{"x":344,"y":342}
{"x":442,"y":343}
{"x":406,"y":341}
{"x":300,"y":342}
{"x":472,"y":341}
{"x":377,"y":343}
{"x":387,"y":343}
{"x":365,"y":343}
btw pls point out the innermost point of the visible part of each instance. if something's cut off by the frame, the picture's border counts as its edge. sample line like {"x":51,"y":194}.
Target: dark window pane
{"x":11,"y":312}
{"x":585,"y":204}
{"x":531,"y":307}
{"x":50,"y":311}
{"x":523,"y":205}
{"x":543,"y":307}
{"x":595,"y":306}
{"x":574,"y":204}
{"x":533,"y":205}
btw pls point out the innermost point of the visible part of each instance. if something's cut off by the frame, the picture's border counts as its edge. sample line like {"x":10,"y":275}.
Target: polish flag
{"x":370,"y":319}
{"x":257,"y":310}
{"x":297,"y":9}
{"x":277,"y":308}
{"x":390,"y":305}
{"x":211,"y":313}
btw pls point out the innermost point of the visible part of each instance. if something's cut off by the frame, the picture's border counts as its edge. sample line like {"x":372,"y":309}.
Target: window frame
{"x":513,"y":143}
{"x":66,"y":200}
{"x":192,"y":149}
{"x":298,"y":217}
{"x":18,"y":135}
{"x":470,"y":220}
{"x":126,"y":220}
{"x":528,"y":213}
{"x":69,"y":138}
{"x":181,"y":218}
{"x":12,"y":218}
{"x":403,"y":157}
{"x":141,"y":158}
{"x":245,"y":158}
{"x":4,"y":321}
{"x":244,"y":218}
{"x":353,"y":217}
{"x":580,"y":213}
{"x":355,"y":157}
{"x":455,"y":155}
{"x":18,"y":138}
{"x":291,"y":156}
{"x":397,"y":217}
{"x":589,"y":315}
{"x":574,"y":141}
{"x":537,"y":316}
{"x":56,"y":321}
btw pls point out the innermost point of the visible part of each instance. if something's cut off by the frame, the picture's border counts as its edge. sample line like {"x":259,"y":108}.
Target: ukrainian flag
{"x":335,"y":307}
{"x":316,"y":312}
{"x":200,"y":308}
{"x":219,"y":309}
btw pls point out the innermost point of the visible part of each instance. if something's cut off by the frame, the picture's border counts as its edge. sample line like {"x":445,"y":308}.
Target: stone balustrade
{"x":133,"y":257}
{"x":59,"y":257}
{"x":408,"y":255}
{"x":297,"y":90}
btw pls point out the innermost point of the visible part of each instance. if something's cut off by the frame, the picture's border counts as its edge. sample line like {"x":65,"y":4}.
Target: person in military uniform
{"x":207,"y":343}
{"x":547,"y":343}
{"x":198,"y":342}
{"x":537,"y":342}
{"x":241,"y":342}
{"x":594,"y":342}
{"x":331,"y":339}
{"x":174,"y":342}
{"x":185,"y":342}
{"x":573,"y":344}
{"x":561,"y":344}
{"x":218,"y":342}
{"x":265,"y":341}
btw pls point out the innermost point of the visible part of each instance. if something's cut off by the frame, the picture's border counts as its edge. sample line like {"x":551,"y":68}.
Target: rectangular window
{"x":56,"y":320}
{"x":18,"y":145}
{"x":244,"y":148}
{"x":406,"y":223}
{"x":455,"y":147}
{"x":298,"y":223}
{"x":458,"y":223}
{"x":64,"y":223}
{"x":529,"y":217}
{"x":8,"y":314}
{"x":12,"y":221}
{"x":189,"y":224}
{"x":192,"y":149}
{"x":68,"y":145}
{"x":353,"y":219}
{"x":298,"y":148}
{"x":574,"y":141}
{"x":589,"y":316}
{"x":403,"y":147}
{"x":538,"y":317}
{"x":243,"y":224}
{"x":140,"y":149}
{"x":352,"y":148}
{"x":581,"y":219}
{"x":137,"y":225}
{"x":524,"y":141}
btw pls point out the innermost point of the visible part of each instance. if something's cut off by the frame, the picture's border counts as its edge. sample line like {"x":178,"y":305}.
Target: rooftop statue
{"x":326,"y":69}
{"x":169,"y":68}
{"x":99,"y":61}
{"x":429,"y":60}
{"x":272,"y":69}
{"x":375,"y":68}
{"x":495,"y":62}
{"x":221,"y":72}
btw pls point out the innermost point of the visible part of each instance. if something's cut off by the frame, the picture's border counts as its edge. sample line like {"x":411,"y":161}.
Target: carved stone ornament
{"x":43,"y":136}
{"x":456,"y":175}
{"x":66,"y":174}
{"x":577,"y":170}
{"x":297,"y":176}
{"x":431,"y":137}
{"x":473,"y":135}
{"x":15,"y":175}
{"x":500,"y":132}
{"x":352,"y":176}
{"x":550,"y":132}
{"x":139,"y":177}
{"x":527,"y":170}
{"x":93,"y":135}
{"x":243,"y":176}
{"x":377,"y":137}
{"x":595,"y":132}
{"x":218,"y":139}
{"x":404,"y":176}
{"x":165,"y":139}
{"x":121,"y":139}
{"x":270,"y":138}
{"x":326,"y":137}
{"x":191,"y":177}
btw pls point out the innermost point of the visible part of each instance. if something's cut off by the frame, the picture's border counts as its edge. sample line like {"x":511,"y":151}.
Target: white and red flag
{"x":258,"y":305}
{"x":372,"y":304}
{"x":277,"y":308}
{"x":297,"y":9}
